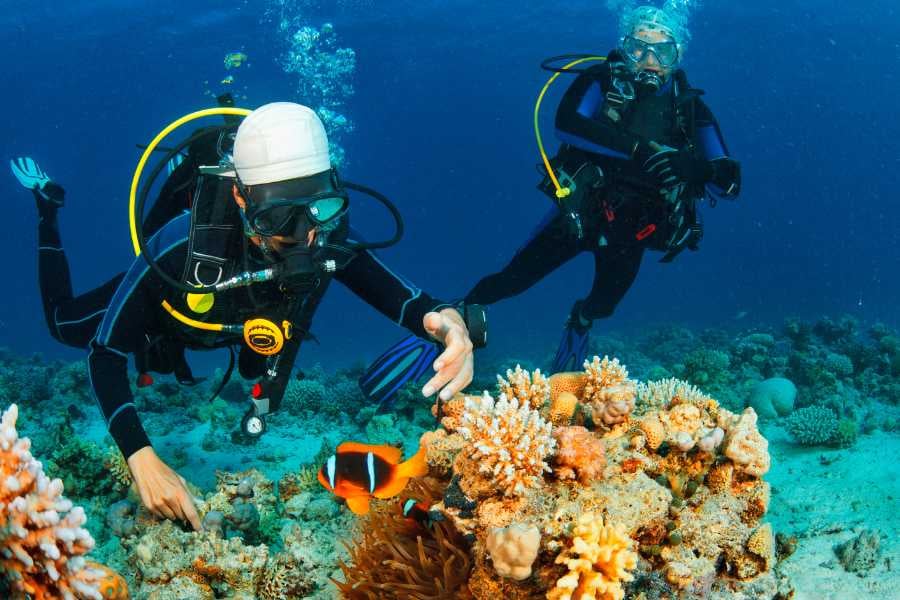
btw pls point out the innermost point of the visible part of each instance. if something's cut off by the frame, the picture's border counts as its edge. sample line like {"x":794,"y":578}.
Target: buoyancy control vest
{"x":616,"y":192}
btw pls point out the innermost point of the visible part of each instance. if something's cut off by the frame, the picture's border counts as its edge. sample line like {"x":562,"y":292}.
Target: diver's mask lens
{"x":291,"y":207}
{"x":636,"y":50}
{"x":279,"y":216}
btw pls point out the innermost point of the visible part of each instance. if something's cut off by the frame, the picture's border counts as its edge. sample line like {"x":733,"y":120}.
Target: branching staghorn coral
{"x":509,"y":440}
{"x":657,"y":395}
{"x":532,"y":389}
{"x":608,"y":391}
{"x":390,"y":558}
{"x":599,"y":560}
{"x":42,"y":541}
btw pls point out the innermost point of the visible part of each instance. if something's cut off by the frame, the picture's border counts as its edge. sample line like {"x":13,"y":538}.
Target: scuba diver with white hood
{"x":266,"y":231}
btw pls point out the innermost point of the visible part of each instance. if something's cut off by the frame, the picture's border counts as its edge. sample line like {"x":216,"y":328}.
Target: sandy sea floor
{"x":826,"y":497}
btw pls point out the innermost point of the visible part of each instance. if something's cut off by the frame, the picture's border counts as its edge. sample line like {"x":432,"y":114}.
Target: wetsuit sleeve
{"x":122,"y":332}
{"x":580,"y":122}
{"x":726,"y":179}
{"x":388,"y":293}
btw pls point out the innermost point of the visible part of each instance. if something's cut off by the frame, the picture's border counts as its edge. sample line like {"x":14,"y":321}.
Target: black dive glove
{"x":672,"y":167}
{"x":727,"y":176}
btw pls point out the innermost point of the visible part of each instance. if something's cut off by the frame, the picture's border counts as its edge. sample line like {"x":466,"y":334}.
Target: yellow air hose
{"x":132,"y":197}
{"x":561,"y":192}
{"x":132,"y":204}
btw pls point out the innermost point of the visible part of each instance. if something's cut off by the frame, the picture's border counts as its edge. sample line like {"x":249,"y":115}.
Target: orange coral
{"x":111,"y":585}
{"x":42,"y":541}
{"x":284,"y":580}
{"x":720,"y":477}
{"x":631,"y":465}
{"x":757,"y":497}
{"x":562,"y":407}
{"x":572,"y":382}
{"x":451,"y":411}
{"x":440,"y":450}
{"x":762,"y":544}
{"x":579,"y":454}
{"x":654,"y":431}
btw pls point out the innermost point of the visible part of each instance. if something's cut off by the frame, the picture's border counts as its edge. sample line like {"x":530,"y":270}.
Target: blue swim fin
{"x":29,"y":173}
{"x":574,"y":344}
{"x":405,"y":361}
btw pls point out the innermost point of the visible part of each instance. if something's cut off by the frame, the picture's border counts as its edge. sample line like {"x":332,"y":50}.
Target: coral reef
{"x":680,"y":474}
{"x":673,"y":494}
{"x":43,"y":543}
{"x":230,"y":556}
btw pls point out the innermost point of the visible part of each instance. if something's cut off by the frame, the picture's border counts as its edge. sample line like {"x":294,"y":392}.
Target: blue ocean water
{"x":442,"y":109}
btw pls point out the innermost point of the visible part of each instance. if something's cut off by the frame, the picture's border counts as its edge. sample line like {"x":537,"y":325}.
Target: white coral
{"x":510,"y":440}
{"x":608,"y":391}
{"x":657,"y":395}
{"x":513,"y":550}
{"x":532,"y":389}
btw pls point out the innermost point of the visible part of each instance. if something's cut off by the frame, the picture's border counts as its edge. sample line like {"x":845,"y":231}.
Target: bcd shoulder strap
{"x":214,"y":224}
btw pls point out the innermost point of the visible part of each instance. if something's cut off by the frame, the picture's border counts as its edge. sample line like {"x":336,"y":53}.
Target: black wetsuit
{"x":124,"y":316}
{"x":624,"y":214}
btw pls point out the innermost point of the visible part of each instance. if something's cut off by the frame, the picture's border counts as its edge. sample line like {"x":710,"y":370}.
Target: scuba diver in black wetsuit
{"x":640,"y":149}
{"x":247,"y":265}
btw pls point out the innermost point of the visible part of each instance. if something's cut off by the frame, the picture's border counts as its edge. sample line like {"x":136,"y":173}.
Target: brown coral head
{"x":613,"y":411}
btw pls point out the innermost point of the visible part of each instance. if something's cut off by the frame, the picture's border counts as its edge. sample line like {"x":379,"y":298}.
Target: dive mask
{"x":276,"y":208}
{"x":636,"y":50}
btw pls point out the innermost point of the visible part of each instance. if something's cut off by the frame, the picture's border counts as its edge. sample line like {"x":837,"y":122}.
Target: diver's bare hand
{"x":162,"y":490}
{"x":455,"y":365}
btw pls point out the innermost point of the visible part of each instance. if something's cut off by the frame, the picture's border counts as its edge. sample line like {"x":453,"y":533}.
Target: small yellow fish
{"x":228,"y":80}
{"x":233,"y":60}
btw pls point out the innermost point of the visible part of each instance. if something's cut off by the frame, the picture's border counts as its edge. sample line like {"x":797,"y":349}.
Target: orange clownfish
{"x":359,"y":472}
